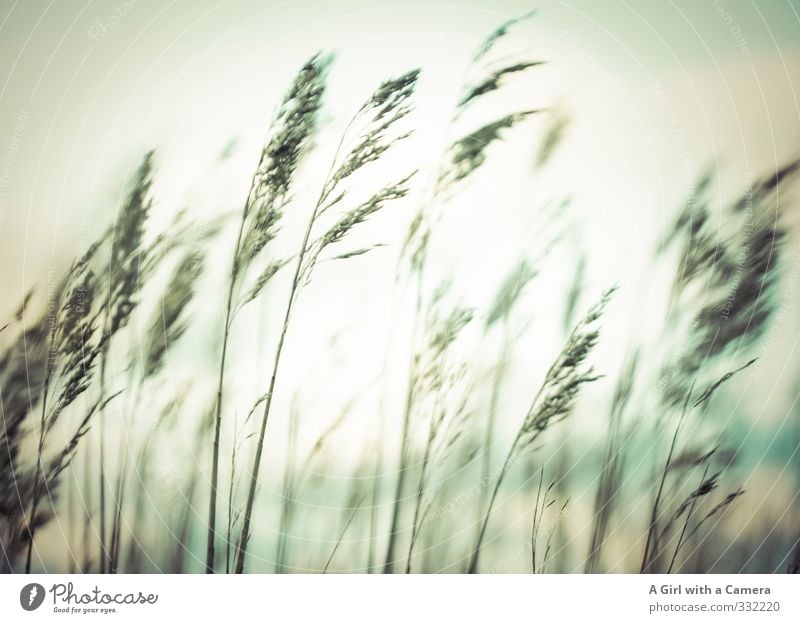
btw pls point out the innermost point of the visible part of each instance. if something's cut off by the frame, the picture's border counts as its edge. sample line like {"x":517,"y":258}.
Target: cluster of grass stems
{"x":60,"y":385}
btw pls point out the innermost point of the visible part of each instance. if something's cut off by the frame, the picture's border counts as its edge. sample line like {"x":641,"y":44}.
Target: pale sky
{"x":656,"y":92}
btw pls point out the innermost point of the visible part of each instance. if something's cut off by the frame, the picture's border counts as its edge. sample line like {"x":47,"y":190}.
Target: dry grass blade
{"x":563,"y":381}
{"x":126,"y":271}
{"x":262,"y":280}
{"x":495,"y":81}
{"x":290,"y":135}
{"x":390,"y":103}
{"x":127,"y":256}
{"x":705,"y":396}
{"x":737,"y":273}
{"x":354,"y":217}
{"x":464,"y":156}
{"x":23,"y":365}
{"x":73,"y":352}
{"x":390,"y":99}
{"x":611,"y":474}
{"x":554,"y":401}
{"x":432,"y":394}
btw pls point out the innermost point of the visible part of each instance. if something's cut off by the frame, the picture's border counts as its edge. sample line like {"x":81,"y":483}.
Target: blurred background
{"x":639,"y":104}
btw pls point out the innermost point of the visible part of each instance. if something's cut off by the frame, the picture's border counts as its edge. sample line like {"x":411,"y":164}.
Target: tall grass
{"x":460,"y":159}
{"x":64,"y":361}
{"x":290,"y":133}
{"x":388,"y":105}
{"x":122,"y":283}
{"x":554,"y":401}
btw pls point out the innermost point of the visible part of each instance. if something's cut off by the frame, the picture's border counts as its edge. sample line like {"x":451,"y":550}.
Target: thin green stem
{"x":212,"y":503}
{"x":415,"y":527}
{"x":404,"y":439}
{"x":653,"y":527}
{"x":295,"y":289}
{"x":39,"y":472}
{"x":473,"y":565}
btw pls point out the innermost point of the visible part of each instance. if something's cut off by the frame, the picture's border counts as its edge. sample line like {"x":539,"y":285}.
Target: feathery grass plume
{"x":166,"y":327}
{"x":264,"y":277}
{"x":732,"y":278}
{"x":432,"y":391}
{"x":554,"y":401}
{"x":611,"y":473}
{"x":707,"y":485}
{"x":693,"y":458}
{"x":494,"y":81}
{"x":652,"y":549}
{"x":718,"y":507}
{"x":389,"y":104}
{"x":737,"y":274}
{"x":73,"y":352}
{"x":692,"y":216}
{"x":64,"y":457}
{"x":354,"y":506}
{"x":447,"y":448}
{"x":23,"y":368}
{"x":352,"y":218}
{"x":468,"y":154}
{"x":362,"y":212}
{"x":169,"y":321}
{"x":564,"y":379}
{"x":768,"y":185}
{"x":465,"y":155}
{"x":291,"y":133}
{"x":707,"y":393}
{"x":122,"y":282}
{"x":507,"y":296}
{"x":460,"y":160}
{"x":417,"y":371}
{"x":126,"y":252}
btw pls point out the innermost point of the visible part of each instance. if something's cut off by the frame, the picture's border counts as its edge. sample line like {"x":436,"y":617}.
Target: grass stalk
{"x":251,"y":493}
{"x":212,"y":504}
